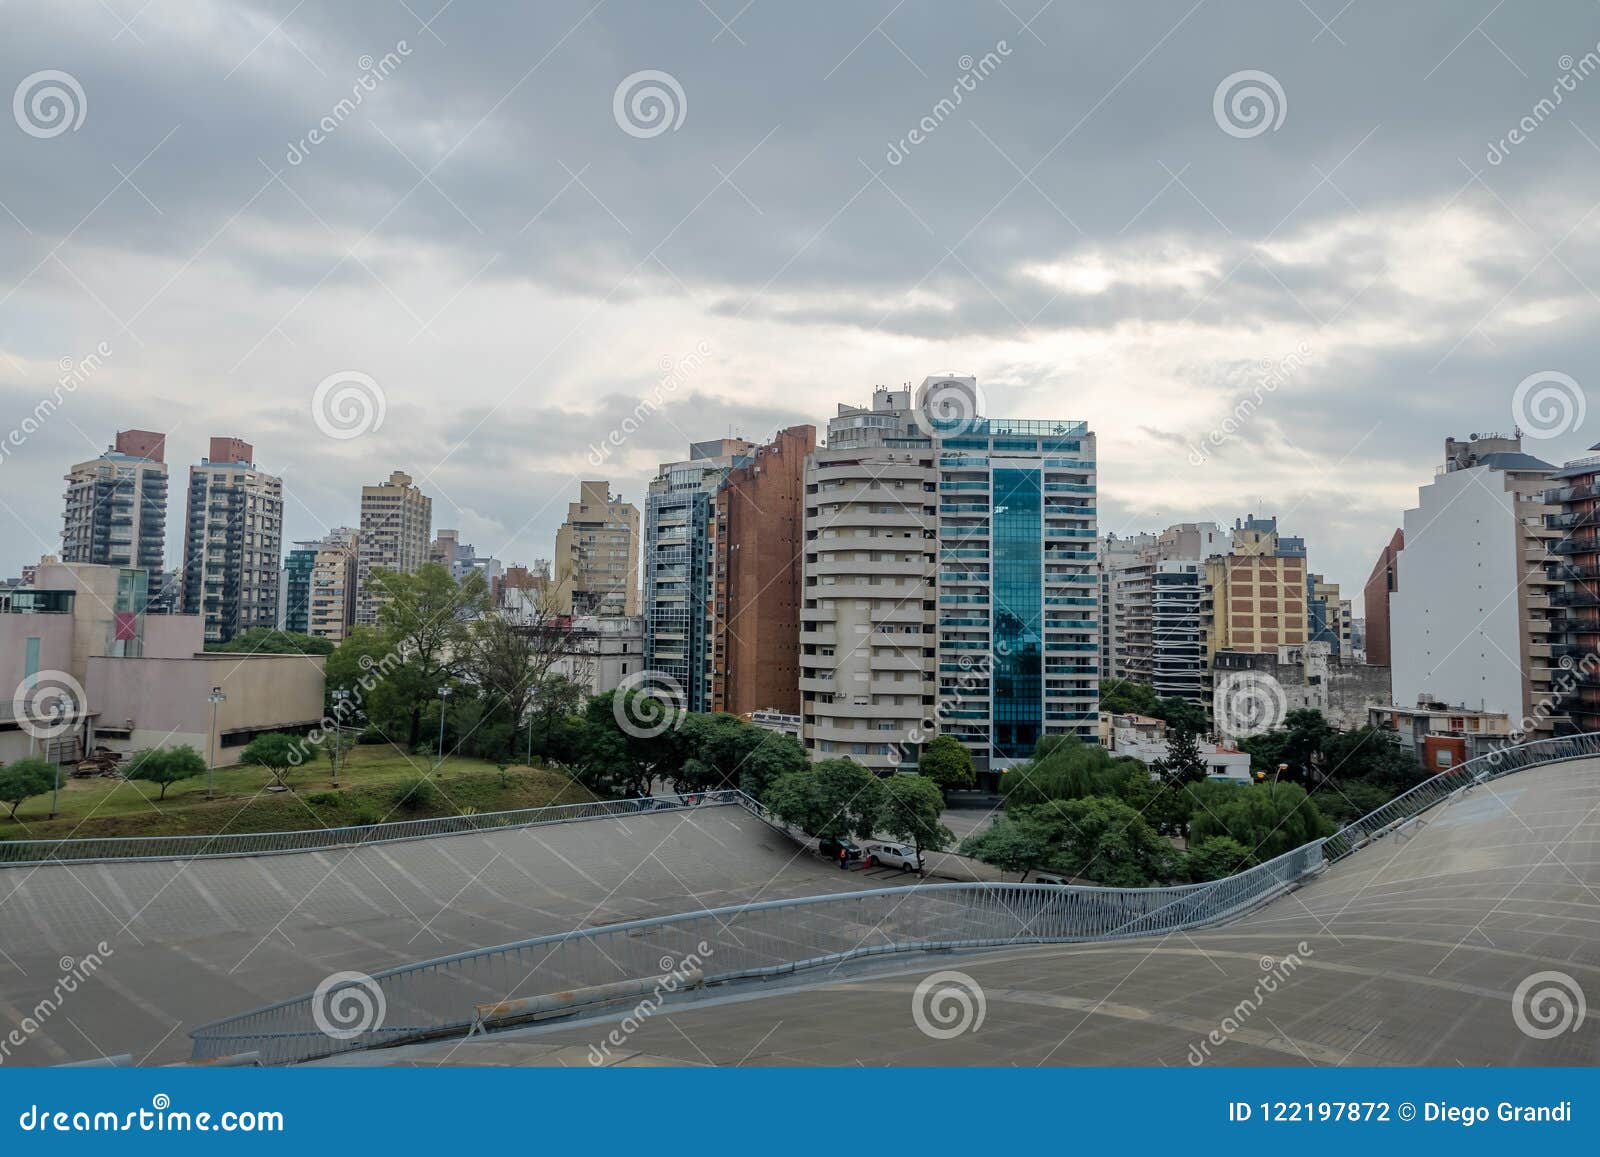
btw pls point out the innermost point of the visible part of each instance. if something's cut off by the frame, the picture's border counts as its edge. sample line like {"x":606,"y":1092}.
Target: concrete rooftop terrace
{"x":1409,"y":952}
{"x":195,"y":940}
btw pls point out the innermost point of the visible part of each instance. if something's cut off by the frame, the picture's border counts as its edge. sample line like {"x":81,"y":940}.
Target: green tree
{"x":166,"y":766}
{"x":1268,"y":819}
{"x":1375,"y":755}
{"x":336,"y":746}
{"x":1216,"y":858}
{"x":1105,"y":840}
{"x":276,"y":752}
{"x":910,"y":811}
{"x":513,"y":659}
{"x":1127,"y":697}
{"x":1180,"y":713}
{"x":1183,"y":762}
{"x":832,"y":798}
{"x":1064,"y":767}
{"x":271,"y":641}
{"x":725,"y":752}
{"x":22,"y":779}
{"x":630,"y":738}
{"x":946,"y":761}
{"x":1308,"y":735}
{"x":1011,"y":844}
{"x":424,"y":617}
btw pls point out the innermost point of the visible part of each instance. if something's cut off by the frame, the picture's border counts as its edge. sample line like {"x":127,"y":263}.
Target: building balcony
{"x":1575,"y":598}
{"x":1585,"y":545}
{"x":1576,"y":493}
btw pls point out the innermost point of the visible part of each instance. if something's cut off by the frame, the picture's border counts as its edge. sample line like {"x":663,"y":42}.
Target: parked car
{"x":902,"y":856}
{"x":1048,"y":878}
{"x":829,"y":848}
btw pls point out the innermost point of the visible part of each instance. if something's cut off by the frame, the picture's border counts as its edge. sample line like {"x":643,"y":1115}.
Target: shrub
{"x":416,"y":795}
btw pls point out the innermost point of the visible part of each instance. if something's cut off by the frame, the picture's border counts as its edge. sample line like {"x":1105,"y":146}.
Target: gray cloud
{"x":479,"y":234}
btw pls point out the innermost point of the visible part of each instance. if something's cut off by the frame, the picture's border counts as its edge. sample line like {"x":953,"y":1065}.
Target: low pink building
{"x":79,"y":642}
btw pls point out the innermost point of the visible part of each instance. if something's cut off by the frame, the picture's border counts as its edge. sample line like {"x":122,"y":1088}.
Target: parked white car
{"x":902,"y":856}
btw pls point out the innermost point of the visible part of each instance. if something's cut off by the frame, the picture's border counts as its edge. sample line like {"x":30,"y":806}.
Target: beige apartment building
{"x":867,"y":619}
{"x":597,"y":554}
{"x":396,"y":530}
{"x":331,"y":609}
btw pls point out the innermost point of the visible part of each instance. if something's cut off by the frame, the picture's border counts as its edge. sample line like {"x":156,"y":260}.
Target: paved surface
{"x":1410,"y":952}
{"x":193,"y":942}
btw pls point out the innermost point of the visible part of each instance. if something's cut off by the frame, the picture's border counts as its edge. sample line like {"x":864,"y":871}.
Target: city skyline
{"x":1375,"y":265}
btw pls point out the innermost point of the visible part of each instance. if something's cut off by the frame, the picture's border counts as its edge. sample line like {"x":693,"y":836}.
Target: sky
{"x":1273,"y":253}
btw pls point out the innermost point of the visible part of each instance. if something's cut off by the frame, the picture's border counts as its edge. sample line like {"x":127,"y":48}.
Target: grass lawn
{"x":367,"y":783}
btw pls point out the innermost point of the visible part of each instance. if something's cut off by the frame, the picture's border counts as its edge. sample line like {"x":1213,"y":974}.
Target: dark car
{"x":829,"y":848}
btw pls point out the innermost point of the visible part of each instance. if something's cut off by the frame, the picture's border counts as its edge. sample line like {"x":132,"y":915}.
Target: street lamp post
{"x":216,"y":699}
{"x":340,"y":695}
{"x":55,"y":787}
{"x":444,"y":694}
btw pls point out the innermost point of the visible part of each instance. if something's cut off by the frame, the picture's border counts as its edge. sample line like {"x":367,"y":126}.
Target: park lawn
{"x":367,"y":782}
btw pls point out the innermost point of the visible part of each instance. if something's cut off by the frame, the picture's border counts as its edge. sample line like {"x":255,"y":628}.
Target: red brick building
{"x":756,"y":554}
{"x":1375,"y":596}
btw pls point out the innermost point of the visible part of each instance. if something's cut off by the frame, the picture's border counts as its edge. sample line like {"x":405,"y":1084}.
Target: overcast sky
{"x":515,"y":252}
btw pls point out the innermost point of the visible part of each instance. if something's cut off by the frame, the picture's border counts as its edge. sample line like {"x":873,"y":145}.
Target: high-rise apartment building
{"x":1255,"y":599}
{"x":233,"y":542}
{"x":319,"y":585}
{"x":678,"y":511}
{"x":116,"y":509}
{"x":1325,"y":612}
{"x":1152,"y":588}
{"x":925,"y":509}
{"x":597,"y":554}
{"x":1125,"y":567}
{"x":756,"y":553}
{"x":396,"y":526}
{"x":1470,"y":620}
{"x":1575,"y":633}
{"x":869,"y":619}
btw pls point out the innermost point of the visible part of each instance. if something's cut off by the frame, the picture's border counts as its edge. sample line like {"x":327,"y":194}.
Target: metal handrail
{"x":77,"y":851}
{"x":436,"y":997}
{"x":1481,"y":769}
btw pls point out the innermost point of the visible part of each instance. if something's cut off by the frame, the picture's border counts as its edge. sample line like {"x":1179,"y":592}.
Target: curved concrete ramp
{"x":192,"y":941}
{"x":1408,"y":952}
